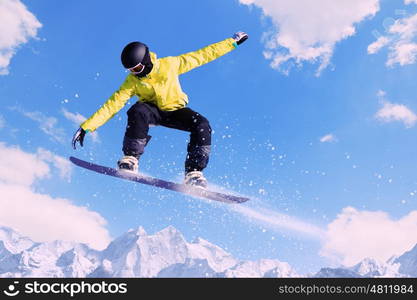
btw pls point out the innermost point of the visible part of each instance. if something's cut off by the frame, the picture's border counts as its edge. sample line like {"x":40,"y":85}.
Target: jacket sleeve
{"x":115,"y":103}
{"x":205,"y":55}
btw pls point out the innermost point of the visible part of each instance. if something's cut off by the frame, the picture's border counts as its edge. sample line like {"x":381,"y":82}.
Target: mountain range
{"x":163,"y":254}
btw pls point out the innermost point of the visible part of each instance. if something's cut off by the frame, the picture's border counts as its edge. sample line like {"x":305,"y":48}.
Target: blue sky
{"x":313,"y":118}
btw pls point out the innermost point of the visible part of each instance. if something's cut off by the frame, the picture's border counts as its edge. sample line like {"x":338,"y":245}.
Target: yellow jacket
{"x":161,"y":86}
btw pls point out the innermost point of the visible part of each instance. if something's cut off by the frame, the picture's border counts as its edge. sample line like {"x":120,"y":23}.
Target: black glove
{"x":78,"y":137}
{"x":240,"y":37}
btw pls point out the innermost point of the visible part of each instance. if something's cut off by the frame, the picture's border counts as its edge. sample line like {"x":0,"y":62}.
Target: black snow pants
{"x":142,"y":115}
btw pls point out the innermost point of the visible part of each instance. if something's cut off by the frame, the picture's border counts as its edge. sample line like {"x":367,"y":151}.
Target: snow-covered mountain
{"x":21,"y":257}
{"x":404,"y":265}
{"x":368,"y":267}
{"x":163,"y":254}
{"x":134,"y":254}
{"x":261,"y":268}
{"x":407,"y":262}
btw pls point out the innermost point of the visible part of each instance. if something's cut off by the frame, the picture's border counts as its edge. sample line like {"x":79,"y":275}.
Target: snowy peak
{"x":14,"y":241}
{"x":368,"y":267}
{"x":138,"y":231}
{"x":198,"y":268}
{"x":204,"y":243}
{"x":163,"y":254}
{"x":133,"y":254}
{"x":137,"y":254}
{"x":170,"y":235}
{"x":336,"y":273}
{"x":218,"y":259}
{"x":78,"y":261}
{"x":261,"y":268}
{"x":408,"y":262}
{"x":141,"y":255}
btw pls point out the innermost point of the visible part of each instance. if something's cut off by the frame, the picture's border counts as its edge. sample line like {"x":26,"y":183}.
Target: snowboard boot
{"x":129,"y":164}
{"x":132,"y":149}
{"x":195,"y":179}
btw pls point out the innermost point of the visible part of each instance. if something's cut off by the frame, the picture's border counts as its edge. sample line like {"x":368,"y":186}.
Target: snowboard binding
{"x":129,"y":164}
{"x":195,"y":179}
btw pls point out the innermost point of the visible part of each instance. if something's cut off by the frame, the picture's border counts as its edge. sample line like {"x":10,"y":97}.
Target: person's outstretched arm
{"x":207,"y":54}
{"x":112,"y":106}
{"x":105,"y":112}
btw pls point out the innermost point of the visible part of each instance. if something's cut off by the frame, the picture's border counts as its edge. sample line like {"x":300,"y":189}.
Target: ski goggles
{"x":137,"y":69}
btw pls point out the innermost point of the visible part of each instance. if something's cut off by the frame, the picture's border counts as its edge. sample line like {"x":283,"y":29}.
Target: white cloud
{"x":49,"y":125}
{"x":41,"y":216}
{"x":18,"y":25}
{"x":19,"y":167}
{"x":307,"y":31}
{"x":355,"y":235}
{"x":45,"y":218}
{"x":77,"y":119}
{"x":62,"y":164}
{"x":401,"y":41}
{"x":391,"y":112}
{"x":410,"y":1}
{"x":396,"y":112}
{"x":380,"y":43}
{"x":328,"y":138}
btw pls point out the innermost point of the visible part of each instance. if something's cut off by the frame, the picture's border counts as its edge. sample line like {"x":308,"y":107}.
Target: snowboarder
{"x":161,"y":102}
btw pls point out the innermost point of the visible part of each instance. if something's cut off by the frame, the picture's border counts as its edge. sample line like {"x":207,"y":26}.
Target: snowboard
{"x":177,"y":187}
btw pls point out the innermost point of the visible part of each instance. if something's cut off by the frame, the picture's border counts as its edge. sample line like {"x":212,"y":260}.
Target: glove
{"x":240,"y":37}
{"x":78,"y":137}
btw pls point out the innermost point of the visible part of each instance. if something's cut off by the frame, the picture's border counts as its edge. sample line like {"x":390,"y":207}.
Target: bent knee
{"x":138,"y":109}
{"x":202,"y":124}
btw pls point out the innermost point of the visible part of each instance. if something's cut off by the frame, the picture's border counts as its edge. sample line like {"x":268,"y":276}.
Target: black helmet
{"x":134,"y":54}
